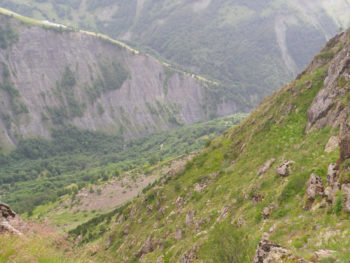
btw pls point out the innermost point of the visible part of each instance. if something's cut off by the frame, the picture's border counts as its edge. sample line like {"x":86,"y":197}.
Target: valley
{"x":128,"y":131}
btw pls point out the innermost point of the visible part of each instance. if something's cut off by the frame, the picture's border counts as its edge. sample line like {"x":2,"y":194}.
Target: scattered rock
{"x":178,"y":234}
{"x":314,"y":187}
{"x":346,"y":192}
{"x":126,"y":229}
{"x":266,"y":212}
{"x":223,"y":214}
{"x":170,"y":215}
{"x":319,"y":205}
{"x":150,"y":245}
{"x":332,"y":144}
{"x":332,"y":174}
{"x":324,"y":253}
{"x":190,"y":255}
{"x":284,"y":169}
{"x":163,"y":209}
{"x":269,"y":252}
{"x":240,"y":222}
{"x":199,"y":187}
{"x":160,"y":260}
{"x":344,"y":142}
{"x":6,"y":227}
{"x":189,"y":217}
{"x":108,"y":242}
{"x":203,"y":233}
{"x":179,"y":201}
{"x":149,"y":208}
{"x":121,"y":219}
{"x":266,"y":167}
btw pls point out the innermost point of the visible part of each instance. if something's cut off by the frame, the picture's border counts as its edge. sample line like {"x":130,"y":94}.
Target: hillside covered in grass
{"x":280,"y":174}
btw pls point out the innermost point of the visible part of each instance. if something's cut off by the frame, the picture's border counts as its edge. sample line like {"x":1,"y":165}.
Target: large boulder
{"x":284,"y":169}
{"x":269,"y":252}
{"x":6,"y":211}
{"x":314,"y":187}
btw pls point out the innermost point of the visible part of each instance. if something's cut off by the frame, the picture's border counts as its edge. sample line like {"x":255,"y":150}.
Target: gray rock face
{"x":327,"y":108}
{"x":151,"y":98}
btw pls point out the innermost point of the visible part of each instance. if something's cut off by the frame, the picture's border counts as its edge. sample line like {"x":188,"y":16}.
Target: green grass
{"x":271,"y":131}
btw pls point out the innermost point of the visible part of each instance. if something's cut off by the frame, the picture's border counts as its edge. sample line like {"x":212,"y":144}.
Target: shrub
{"x":338,"y":204}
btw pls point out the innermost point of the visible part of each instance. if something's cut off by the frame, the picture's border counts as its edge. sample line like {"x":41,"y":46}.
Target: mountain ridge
{"x":89,"y":82}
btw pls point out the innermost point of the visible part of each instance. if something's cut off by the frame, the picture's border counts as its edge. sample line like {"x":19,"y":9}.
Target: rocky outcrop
{"x":328,"y":108}
{"x":8,"y":220}
{"x":269,"y":252}
{"x":6,"y":211}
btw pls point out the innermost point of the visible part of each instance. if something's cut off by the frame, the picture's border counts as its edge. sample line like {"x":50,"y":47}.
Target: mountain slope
{"x":52,"y":76}
{"x":280,"y":172}
{"x":225,"y":40}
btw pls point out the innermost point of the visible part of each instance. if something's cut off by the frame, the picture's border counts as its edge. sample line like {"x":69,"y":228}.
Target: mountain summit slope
{"x":281,"y":174}
{"x":52,"y":76}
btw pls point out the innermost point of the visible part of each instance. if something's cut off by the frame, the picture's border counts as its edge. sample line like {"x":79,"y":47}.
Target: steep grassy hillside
{"x":51,"y":77}
{"x":241,"y":185}
{"x":225,"y":40}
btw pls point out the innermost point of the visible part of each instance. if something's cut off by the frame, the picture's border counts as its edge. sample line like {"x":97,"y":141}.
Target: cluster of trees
{"x":39,"y":170}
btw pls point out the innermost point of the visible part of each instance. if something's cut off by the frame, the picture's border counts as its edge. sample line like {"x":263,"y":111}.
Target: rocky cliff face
{"x":52,"y":77}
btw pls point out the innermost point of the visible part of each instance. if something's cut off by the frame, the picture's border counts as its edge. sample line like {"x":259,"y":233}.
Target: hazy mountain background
{"x":253,"y":45}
